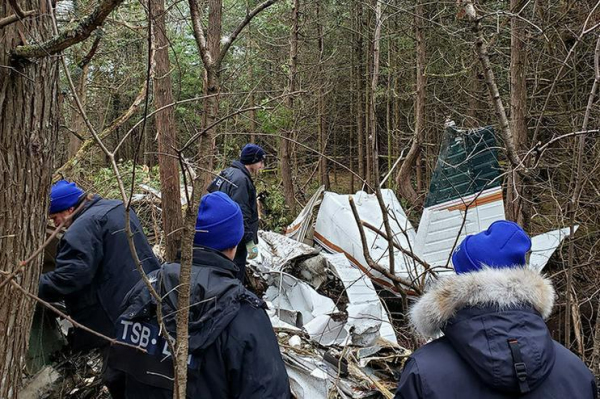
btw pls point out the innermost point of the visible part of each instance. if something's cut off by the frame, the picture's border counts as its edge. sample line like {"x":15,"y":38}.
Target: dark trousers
{"x":240,"y":261}
{"x":112,"y":378}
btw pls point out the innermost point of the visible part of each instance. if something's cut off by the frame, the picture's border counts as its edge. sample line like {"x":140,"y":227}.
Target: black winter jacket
{"x":95,"y":269}
{"x":483,"y":315}
{"x":233,"y":350}
{"x":236,"y":182}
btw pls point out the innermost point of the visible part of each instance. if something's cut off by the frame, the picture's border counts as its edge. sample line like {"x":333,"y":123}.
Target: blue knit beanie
{"x":504,"y":244}
{"x":252,"y":153}
{"x":64,"y":195}
{"x":220,"y":224}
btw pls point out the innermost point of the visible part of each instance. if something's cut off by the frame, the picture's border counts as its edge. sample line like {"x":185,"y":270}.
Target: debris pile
{"x":341,"y":345}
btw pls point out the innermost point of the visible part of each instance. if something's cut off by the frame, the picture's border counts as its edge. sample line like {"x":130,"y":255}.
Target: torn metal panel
{"x":337,"y":232}
{"x":367,"y":318}
{"x":544,"y":245}
{"x":277,"y":251}
{"x":289,"y":293}
{"x":299,"y":228}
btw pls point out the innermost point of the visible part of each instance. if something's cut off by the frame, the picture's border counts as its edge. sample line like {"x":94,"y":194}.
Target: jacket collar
{"x":496,"y":288}
{"x":88,"y":204}
{"x":242,"y":167}
{"x":203,"y":256}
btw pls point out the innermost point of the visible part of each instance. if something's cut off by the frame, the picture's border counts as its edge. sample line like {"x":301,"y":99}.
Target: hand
{"x":252,"y":250}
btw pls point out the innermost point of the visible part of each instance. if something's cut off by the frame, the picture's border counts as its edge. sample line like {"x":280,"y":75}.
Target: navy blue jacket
{"x":233,"y":350}
{"x":236,"y":182}
{"x":95,"y":269}
{"x":481,"y":320}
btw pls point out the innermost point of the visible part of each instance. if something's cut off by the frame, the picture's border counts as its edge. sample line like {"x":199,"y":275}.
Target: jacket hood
{"x":480,"y":312}
{"x":216,"y":297}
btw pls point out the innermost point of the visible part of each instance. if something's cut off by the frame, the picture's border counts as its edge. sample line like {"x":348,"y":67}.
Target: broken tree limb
{"x":14,"y":18}
{"x":372,"y":264}
{"x":64,"y":40}
{"x":406,"y":252}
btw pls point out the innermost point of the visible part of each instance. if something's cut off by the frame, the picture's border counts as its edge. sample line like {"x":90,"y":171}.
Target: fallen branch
{"x":372,"y":264}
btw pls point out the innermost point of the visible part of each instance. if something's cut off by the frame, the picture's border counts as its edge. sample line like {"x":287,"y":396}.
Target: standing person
{"x":94,"y":266}
{"x":495,"y":344}
{"x":236,"y":182}
{"x":233,"y":351}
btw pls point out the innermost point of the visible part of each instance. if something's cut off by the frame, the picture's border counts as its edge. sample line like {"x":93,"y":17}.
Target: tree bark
{"x":359,"y":89}
{"x":284,"y":144}
{"x":322,"y":132}
{"x":518,"y":108}
{"x":373,"y":94}
{"x":28,"y":134}
{"x":166,"y":128}
{"x":404,"y":177}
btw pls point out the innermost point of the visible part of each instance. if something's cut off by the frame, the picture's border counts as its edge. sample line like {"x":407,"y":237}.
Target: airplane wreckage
{"x":334,"y":329}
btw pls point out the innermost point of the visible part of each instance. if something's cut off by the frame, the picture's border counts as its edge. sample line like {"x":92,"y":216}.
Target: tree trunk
{"x":166,"y":128}
{"x":28,"y":134}
{"x":404,"y":177}
{"x":322,"y":132}
{"x":373,"y":95}
{"x":518,"y":108}
{"x":359,"y":90}
{"x":284,"y":144}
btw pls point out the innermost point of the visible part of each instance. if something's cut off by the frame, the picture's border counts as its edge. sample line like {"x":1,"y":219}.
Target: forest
{"x":346,"y":94}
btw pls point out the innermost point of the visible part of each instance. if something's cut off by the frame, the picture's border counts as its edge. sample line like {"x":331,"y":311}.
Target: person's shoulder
{"x":436,"y":354}
{"x":251,"y":322}
{"x":567,"y":359}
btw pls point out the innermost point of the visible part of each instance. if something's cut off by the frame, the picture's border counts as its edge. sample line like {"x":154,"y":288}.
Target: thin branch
{"x":241,"y":26}
{"x":35,"y":253}
{"x":112,"y":341}
{"x":15,"y":6}
{"x":406,"y":252}
{"x":196,"y":15}
{"x":372,"y":264}
{"x":14,"y":18}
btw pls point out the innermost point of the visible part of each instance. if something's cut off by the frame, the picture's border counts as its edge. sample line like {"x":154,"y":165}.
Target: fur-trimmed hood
{"x":499,"y":288}
{"x":480,"y":313}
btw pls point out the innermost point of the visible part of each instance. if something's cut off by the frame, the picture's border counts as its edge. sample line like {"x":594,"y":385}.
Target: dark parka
{"x":233,"y":350}
{"x":95,"y":269}
{"x":483,"y":314}
{"x":236,"y":182}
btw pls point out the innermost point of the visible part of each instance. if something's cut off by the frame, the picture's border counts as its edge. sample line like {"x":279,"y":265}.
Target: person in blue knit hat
{"x":236,"y":181}
{"x":490,"y":340}
{"x":94,"y":267}
{"x":233,"y":350}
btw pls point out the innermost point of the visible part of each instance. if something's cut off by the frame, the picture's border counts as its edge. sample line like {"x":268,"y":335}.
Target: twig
{"x":23,"y":263}
{"x":112,"y":341}
{"x":372,"y":264}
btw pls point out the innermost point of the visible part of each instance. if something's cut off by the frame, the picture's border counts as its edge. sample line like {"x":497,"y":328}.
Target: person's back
{"x":233,"y":350}
{"x":236,"y":182}
{"x":95,"y":268}
{"x":495,"y":343}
